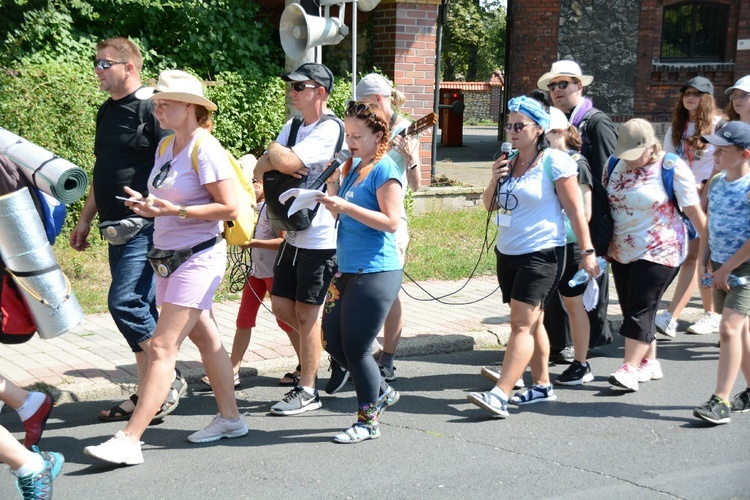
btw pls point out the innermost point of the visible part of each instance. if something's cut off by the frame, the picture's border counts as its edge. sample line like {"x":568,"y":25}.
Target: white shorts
{"x":194,"y":283}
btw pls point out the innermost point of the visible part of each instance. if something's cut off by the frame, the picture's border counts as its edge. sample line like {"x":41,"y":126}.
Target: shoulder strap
{"x":296,"y":124}
{"x":548,"y":169}
{"x":165,"y":144}
{"x":712,"y":182}
{"x":667,"y":175}
{"x":611,"y":164}
{"x":196,"y":148}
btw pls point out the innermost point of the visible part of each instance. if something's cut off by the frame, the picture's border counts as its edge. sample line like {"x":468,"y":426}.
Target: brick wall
{"x":403,"y":47}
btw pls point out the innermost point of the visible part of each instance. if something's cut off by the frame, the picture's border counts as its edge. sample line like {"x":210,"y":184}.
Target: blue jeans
{"x":132,"y":294}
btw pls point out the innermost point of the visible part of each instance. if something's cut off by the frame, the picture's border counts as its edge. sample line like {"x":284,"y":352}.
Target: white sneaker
{"x":492,"y":373}
{"x":625,"y":377}
{"x":665,"y":324}
{"x":118,"y":450}
{"x":649,"y":369}
{"x":219,"y":428}
{"x":707,"y":325}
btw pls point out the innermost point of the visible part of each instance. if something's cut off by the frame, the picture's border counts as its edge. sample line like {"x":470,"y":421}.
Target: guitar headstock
{"x":423,"y":123}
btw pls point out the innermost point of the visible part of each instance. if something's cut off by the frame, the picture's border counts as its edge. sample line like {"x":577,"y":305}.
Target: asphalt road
{"x":594,"y":442}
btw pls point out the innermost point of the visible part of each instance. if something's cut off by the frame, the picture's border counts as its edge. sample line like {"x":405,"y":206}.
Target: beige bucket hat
{"x":176,"y":85}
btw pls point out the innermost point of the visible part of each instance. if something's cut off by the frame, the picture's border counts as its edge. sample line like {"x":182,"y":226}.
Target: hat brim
{"x":544,"y":80}
{"x":744,"y":88}
{"x":295,"y":77}
{"x":630,"y":154}
{"x":716,"y":140}
{"x":151,"y":93}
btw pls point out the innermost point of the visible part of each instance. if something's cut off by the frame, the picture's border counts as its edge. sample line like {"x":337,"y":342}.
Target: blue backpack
{"x":667,"y":177}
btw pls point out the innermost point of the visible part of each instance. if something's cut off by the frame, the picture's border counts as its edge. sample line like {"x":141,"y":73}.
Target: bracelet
{"x":333,"y":183}
{"x":413,"y":166}
{"x":588,"y":251}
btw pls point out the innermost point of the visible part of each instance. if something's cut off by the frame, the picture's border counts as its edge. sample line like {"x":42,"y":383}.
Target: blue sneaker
{"x":39,"y":486}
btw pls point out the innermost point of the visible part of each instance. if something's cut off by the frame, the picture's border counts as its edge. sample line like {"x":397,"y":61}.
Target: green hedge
{"x":55,"y":105}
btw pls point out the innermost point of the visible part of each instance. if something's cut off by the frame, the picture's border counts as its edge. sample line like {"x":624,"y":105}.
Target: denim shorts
{"x":303,"y":274}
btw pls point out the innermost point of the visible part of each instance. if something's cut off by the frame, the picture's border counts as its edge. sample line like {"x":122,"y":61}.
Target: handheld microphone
{"x":342,"y":157}
{"x":505,"y":150}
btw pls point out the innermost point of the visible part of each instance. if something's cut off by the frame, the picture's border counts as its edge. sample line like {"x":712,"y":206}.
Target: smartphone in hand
{"x":129,"y":199}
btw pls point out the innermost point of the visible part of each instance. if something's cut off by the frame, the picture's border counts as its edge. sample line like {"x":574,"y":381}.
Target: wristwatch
{"x":588,"y":251}
{"x":182,"y":213}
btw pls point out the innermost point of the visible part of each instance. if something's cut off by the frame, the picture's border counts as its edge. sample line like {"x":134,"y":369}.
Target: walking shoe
{"x":219,"y":427}
{"x":490,"y":401}
{"x":741,"y":401}
{"x":339,"y":376}
{"x":296,"y":401}
{"x":389,"y":398}
{"x":118,"y":450}
{"x":715,"y":410}
{"x":649,"y":369}
{"x":575,"y":374}
{"x":534,"y":394}
{"x":665,"y":324}
{"x":625,"y":377}
{"x":39,"y":486}
{"x":357,"y":433}
{"x":564,"y":356}
{"x":35,"y":424}
{"x":707,"y":325}
{"x":388,"y":374}
{"x":492,"y":373}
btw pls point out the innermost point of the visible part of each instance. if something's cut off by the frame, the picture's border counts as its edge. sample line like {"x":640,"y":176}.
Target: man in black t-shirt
{"x":127,"y":135}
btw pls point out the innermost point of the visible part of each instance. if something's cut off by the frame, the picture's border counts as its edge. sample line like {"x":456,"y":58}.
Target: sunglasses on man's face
{"x":103,"y":64}
{"x":162,"y":174}
{"x":561,"y":85}
{"x":299,"y":86}
{"x":518,"y":126}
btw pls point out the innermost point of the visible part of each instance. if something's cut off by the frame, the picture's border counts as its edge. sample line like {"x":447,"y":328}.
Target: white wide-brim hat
{"x":176,"y":85}
{"x":564,"y":68}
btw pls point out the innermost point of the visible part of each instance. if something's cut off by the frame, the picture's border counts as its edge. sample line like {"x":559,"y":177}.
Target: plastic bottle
{"x":582,"y":276}
{"x":732,"y":281}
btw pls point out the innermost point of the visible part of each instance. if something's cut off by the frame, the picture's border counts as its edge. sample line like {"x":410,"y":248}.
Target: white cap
{"x":373,"y":84}
{"x":557,"y":121}
{"x":742,"y":84}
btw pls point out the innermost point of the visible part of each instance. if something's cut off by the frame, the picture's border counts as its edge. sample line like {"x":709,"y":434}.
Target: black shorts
{"x":302,"y":274}
{"x":572,"y":261}
{"x":530,"y":277}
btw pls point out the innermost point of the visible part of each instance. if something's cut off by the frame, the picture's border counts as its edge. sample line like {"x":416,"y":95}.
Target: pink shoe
{"x":649,"y":369}
{"x":626,"y":377}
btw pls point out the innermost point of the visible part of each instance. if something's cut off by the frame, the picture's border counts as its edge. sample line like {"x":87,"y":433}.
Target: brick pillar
{"x":404,"y":44}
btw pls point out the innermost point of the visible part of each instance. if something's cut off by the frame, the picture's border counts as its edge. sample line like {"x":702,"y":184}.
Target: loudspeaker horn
{"x":299,"y":32}
{"x":367,"y":5}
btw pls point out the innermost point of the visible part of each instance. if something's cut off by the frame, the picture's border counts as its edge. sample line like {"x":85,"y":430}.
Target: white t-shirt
{"x":315,"y":146}
{"x":537,"y":220}
{"x":701,"y":162}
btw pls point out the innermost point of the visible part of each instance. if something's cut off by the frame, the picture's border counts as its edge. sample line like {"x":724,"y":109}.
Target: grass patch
{"x":444,"y":245}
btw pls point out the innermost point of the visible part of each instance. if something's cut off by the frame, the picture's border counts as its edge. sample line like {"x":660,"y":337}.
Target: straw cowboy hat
{"x":564,"y":68}
{"x":176,"y":85}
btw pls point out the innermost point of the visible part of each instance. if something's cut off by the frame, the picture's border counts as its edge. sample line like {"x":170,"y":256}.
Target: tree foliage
{"x":473,"y":39}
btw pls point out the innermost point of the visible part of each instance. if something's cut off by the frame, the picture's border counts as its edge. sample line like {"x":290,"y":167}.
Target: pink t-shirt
{"x":646,"y":225}
{"x":182,"y":185}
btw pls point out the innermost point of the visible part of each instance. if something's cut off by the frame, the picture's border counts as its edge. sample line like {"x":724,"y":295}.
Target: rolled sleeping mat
{"x":29,"y":259}
{"x":55,"y":176}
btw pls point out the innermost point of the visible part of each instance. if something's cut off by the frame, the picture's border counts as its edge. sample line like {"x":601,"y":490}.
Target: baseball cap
{"x":311,"y":71}
{"x":557,"y":121}
{"x":734,"y":133}
{"x":373,"y":84}
{"x":699,"y":83}
{"x":742,"y":84}
{"x":634,"y":137}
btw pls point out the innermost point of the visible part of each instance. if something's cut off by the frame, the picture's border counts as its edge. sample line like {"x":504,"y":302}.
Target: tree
{"x":474,"y":39}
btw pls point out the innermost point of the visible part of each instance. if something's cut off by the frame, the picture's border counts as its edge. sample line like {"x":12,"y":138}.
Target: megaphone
{"x":300,"y":32}
{"x":367,"y":5}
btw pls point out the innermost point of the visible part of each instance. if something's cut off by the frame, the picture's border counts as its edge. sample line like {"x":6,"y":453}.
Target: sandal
{"x":176,"y":391}
{"x":117,"y":413}
{"x":291,"y":379}
{"x":356,"y":433}
{"x":205,"y":380}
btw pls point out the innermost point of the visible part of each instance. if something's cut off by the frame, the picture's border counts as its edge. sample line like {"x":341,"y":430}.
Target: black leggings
{"x":354,"y":313}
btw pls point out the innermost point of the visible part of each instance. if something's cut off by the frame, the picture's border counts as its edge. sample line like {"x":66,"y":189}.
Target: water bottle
{"x":732,"y":281}
{"x":582,"y":276}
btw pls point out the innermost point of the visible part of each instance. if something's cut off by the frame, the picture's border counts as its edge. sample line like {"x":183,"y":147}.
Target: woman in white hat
{"x":649,"y":241}
{"x":739,"y":100}
{"x":694,"y":115}
{"x":192,"y":192}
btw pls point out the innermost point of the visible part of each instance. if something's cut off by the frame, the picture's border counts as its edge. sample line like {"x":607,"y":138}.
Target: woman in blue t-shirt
{"x":368,"y":207}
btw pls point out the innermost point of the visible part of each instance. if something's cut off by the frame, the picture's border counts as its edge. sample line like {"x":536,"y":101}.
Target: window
{"x":694,"y":31}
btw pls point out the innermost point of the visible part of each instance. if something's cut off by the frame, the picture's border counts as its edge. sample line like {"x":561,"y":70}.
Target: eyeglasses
{"x":358,"y":109}
{"x":561,"y":85}
{"x":518,"y":126}
{"x":300,"y":87}
{"x":103,"y":64}
{"x":739,"y":97}
{"x":161,"y":176}
{"x":691,"y":93}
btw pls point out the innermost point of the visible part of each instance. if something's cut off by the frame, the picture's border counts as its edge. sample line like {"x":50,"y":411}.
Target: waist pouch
{"x":166,"y":262}
{"x":121,"y":231}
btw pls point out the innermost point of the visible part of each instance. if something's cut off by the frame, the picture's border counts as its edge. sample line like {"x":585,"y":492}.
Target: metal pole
{"x":507,"y":75}
{"x":442,"y":14}
{"x":354,"y":48}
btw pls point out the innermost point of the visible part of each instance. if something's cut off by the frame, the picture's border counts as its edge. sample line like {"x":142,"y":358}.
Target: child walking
{"x":728,"y":248}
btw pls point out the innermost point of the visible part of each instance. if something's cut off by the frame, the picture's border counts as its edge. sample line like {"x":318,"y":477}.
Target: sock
{"x":499,"y":392}
{"x":386,"y":359}
{"x":31,"y":405}
{"x":368,"y":414}
{"x":33,"y":465}
{"x":309,"y":390}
